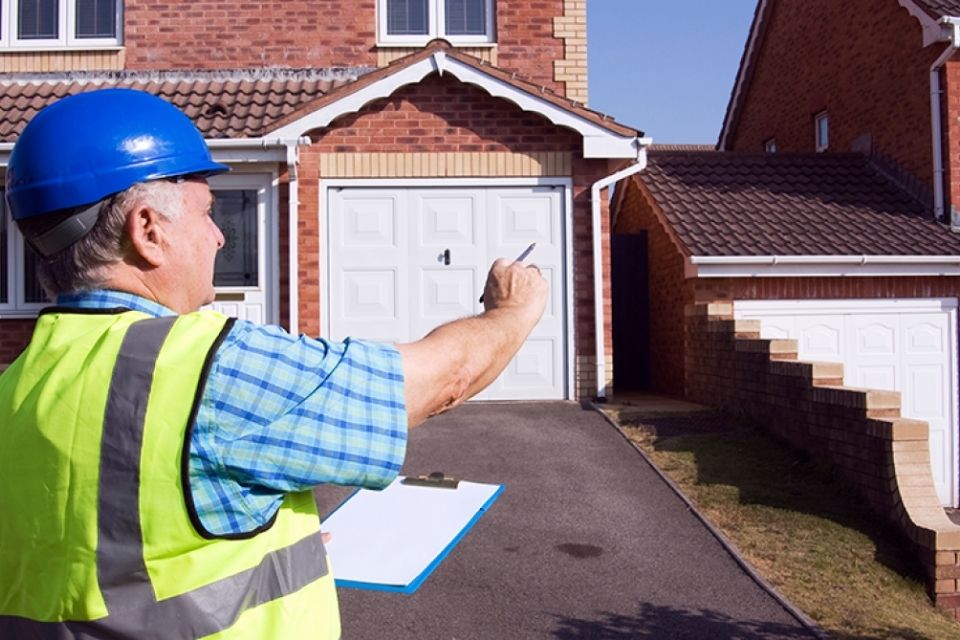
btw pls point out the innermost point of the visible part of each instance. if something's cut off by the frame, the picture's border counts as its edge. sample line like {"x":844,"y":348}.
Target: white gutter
{"x":821,"y":266}
{"x":599,"y":320}
{"x":951,"y":32}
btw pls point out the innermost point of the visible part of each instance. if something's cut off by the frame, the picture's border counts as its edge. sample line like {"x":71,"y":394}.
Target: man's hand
{"x":513,"y":284}
{"x":459,"y":359}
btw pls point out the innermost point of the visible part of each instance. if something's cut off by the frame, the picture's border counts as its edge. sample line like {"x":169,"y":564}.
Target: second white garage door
{"x":905,"y":345}
{"x":405,"y":260}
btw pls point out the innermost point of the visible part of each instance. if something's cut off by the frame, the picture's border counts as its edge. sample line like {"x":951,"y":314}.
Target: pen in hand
{"x":520,"y":258}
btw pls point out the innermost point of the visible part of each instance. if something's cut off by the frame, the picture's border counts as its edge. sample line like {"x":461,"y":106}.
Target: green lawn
{"x":794,"y":522}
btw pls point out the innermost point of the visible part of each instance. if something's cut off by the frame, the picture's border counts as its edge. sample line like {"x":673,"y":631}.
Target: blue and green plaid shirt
{"x":282,"y":414}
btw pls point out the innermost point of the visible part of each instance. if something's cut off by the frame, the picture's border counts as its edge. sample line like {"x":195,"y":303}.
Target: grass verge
{"x":794,"y":522}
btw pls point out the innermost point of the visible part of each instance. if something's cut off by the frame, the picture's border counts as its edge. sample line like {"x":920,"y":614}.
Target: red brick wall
{"x":586,"y":172}
{"x":950,"y":109}
{"x":14,"y":336}
{"x":436,"y":115}
{"x":861,"y":60}
{"x":318,"y":33}
{"x":669,"y":292}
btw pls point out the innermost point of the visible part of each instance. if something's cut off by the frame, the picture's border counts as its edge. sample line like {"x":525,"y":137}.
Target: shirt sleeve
{"x":282,"y":414}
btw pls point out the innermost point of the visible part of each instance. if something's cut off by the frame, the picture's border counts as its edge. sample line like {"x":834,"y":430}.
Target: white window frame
{"x":9,"y":15}
{"x":770,"y":146}
{"x":436,"y":27}
{"x":15,"y":305}
{"x":819,"y":144}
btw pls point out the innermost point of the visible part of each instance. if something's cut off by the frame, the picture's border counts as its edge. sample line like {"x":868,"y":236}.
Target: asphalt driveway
{"x":585,"y":542}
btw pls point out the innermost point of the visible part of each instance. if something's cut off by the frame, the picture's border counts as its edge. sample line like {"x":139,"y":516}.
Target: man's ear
{"x":147,"y":235}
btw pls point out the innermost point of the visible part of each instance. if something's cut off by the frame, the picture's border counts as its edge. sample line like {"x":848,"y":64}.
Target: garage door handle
{"x":446,"y":257}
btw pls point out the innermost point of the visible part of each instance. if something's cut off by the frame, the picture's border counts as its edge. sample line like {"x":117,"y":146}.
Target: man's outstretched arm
{"x":457,"y":360}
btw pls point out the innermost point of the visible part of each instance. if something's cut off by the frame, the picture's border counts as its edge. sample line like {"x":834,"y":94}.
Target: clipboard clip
{"x":436,"y":480}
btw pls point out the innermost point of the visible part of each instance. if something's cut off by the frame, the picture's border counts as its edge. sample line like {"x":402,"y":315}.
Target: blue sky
{"x":666,"y":67}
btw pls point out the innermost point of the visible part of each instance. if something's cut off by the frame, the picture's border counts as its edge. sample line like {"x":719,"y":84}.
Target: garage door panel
{"x":875,"y":337}
{"x":929,"y":384}
{"x":528,"y":218}
{"x":449,"y":221}
{"x":821,"y":337}
{"x":924,"y":337}
{"x":882,"y":377}
{"x":370,"y":222}
{"x":778,"y":328}
{"x":446,"y":294}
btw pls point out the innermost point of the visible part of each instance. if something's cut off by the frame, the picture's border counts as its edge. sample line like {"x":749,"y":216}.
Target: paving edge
{"x":800,"y":616}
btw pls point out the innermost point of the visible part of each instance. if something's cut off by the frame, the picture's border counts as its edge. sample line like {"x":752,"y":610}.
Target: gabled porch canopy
{"x":602,"y":137}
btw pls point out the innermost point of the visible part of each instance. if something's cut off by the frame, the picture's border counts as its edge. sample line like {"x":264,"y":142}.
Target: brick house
{"x":383,"y":153}
{"x":823,"y":228}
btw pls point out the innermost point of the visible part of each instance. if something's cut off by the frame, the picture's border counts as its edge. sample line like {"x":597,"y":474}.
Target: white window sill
{"x":25,"y":314}
{"x":5,"y":48}
{"x":423,"y":42}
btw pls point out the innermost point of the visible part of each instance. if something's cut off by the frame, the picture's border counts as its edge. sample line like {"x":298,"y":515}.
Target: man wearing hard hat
{"x":156,"y":460}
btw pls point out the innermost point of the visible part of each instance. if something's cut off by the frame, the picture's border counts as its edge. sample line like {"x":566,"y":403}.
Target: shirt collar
{"x":109,"y":299}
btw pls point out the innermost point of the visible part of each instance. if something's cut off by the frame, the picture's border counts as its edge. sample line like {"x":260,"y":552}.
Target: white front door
{"x":905,"y":345}
{"x":404,"y":260}
{"x":242,"y":275}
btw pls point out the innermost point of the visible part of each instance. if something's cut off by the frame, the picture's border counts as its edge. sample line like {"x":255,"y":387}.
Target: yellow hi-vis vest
{"x":97,"y":530}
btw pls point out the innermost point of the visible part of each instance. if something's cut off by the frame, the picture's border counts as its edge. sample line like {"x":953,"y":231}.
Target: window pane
{"x":96,"y":19}
{"x":466,"y":17}
{"x":407,"y":17}
{"x":235,"y":211}
{"x":3,"y":251}
{"x":38,"y":19}
{"x":33,"y":292}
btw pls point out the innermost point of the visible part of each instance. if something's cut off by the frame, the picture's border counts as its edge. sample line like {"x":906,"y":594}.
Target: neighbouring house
{"x":823,"y":228}
{"x":384,"y":152}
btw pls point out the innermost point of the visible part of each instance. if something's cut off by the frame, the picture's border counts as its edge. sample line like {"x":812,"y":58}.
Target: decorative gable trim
{"x":598,"y":141}
{"x":934,"y":29}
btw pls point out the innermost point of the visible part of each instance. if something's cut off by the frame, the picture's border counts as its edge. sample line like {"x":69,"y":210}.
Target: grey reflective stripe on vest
{"x":133,"y":610}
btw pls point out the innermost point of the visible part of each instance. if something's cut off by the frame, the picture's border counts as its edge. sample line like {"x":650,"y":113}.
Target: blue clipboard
{"x":392,"y":540}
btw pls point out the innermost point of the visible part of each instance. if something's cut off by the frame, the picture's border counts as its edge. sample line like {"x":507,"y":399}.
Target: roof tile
{"x":789,"y":204}
{"x":221,"y":106}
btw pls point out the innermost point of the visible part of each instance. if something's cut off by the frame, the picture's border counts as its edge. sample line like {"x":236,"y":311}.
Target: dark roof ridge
{"x":183,"y":75}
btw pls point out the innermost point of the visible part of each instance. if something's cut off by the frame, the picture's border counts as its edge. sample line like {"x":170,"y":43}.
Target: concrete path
{"x":585,"y":542}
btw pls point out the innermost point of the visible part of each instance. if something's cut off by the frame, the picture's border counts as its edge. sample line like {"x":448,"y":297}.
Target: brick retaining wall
{"x":859,"y":431}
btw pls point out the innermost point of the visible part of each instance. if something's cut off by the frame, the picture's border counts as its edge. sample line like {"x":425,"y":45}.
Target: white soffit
{"x":598,"y":142}
{"x":819,"y":266}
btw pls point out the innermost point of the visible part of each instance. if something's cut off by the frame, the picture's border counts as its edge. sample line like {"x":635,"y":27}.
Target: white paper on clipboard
{"x":391,"y":540}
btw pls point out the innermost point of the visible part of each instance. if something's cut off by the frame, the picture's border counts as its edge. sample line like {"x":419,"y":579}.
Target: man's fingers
{"x":325,"y":537}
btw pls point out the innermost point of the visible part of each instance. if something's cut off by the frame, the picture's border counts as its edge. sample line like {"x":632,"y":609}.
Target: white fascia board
{"x":820,"y":266}
{"x":598,"y":142}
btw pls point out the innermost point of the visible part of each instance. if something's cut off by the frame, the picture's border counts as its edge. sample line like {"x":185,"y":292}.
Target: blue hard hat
{"x":89,"y":146}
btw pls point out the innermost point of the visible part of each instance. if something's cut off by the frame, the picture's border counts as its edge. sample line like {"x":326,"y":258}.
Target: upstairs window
{"x":46,"y":24}
{"x":416,"y":22}
{"x":822,"y":127}
{"x":770,"y":146}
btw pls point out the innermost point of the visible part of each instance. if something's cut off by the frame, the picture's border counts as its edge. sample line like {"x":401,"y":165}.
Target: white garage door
{"x":906,"y":345}
{"x":405,"y":260}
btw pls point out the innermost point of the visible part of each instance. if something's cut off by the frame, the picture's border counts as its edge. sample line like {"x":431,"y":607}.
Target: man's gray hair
{"x":85,"y":265}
